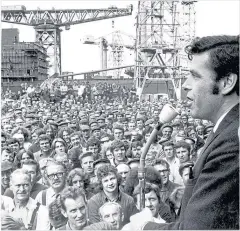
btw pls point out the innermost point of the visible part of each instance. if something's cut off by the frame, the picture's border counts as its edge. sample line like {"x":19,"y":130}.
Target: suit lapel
{"x":231,"y":116}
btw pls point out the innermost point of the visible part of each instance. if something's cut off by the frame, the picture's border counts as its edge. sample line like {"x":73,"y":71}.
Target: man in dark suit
{"x":211,"y":196}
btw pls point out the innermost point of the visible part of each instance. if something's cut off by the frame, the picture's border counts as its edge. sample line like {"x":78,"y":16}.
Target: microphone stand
{"x":142,"y":169}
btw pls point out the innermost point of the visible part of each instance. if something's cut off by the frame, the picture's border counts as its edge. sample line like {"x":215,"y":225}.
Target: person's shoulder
{"x":125,"y":196}
{"x":96,"y":198}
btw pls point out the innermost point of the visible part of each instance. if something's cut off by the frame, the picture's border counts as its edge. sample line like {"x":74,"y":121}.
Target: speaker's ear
{"x":228,"y":83}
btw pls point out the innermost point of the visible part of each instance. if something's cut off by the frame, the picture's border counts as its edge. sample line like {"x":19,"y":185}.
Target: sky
{"x":212,"y":18}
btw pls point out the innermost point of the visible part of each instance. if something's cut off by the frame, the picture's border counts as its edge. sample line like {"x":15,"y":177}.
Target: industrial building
{"x":22,"y":61}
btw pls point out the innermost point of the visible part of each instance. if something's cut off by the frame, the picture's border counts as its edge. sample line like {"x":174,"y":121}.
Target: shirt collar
{"x":118,"y":198}
{"x":221,"y":119}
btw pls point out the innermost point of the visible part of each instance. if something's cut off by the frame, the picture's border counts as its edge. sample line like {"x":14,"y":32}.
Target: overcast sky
{"x":212,"y":18}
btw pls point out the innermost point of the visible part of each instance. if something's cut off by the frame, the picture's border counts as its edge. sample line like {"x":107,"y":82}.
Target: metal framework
{"x":47,"y":24}
{"x":158,"y":41}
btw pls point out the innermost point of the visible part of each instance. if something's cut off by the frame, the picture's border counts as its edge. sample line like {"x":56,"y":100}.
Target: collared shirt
{"x":221,"y":119}
{"x":50,"y":196}
{"x":174,"y":171}
{"x":126,"y":202}
{"x":25,"y":214}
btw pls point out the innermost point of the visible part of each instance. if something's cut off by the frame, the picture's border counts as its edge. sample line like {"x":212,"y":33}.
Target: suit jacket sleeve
{"x":209,"y":206}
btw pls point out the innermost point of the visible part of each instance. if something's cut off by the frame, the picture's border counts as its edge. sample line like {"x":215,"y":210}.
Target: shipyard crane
{"x":48,"y":24}
{"x":162,"y":29}
{"x":117,"y":46}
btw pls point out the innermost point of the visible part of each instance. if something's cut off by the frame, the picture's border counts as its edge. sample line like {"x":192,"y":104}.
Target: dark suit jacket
{"x":211,"y":198}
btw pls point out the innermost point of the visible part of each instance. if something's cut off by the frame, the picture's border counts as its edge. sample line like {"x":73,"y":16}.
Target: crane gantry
{"x":48,"y":24}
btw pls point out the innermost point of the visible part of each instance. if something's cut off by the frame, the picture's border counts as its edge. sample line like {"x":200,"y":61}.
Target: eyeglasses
{"x":58,"y":175}
{"x":163,"y":171}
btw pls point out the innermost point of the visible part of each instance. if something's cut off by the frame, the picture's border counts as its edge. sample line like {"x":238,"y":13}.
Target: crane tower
{"x":159,"y":43}
{"x":48,"y":24}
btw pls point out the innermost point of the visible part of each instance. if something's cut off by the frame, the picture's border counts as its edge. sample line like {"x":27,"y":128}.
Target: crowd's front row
{"x":96,"y":196}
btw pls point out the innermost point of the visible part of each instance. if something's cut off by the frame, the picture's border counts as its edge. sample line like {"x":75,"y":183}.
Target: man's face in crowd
{"x":185,"y":175}
{"x":21,"y":187}
{"x":184,"y":119}
{"x":151,"y":202}
{"x":34,"y":137}
{"x":8,"y":128}
{"x":182,"y":154}
{"x":66,"y":137}
{"x":169,"y":152}
{"x":5,"y":122}
{"x":78,"y":182}
{"x":19,"y":122}
{"x":7,"y":156}
{"x":164,"y":172}
{"x":131,"y":126}
{"x":136,"y":152}
{"x":87,"y":164}
{"x":200,"y":86}
{"x":97,"y":133}
{"x":5,"y":178}
{"x":200,"y":130}
{"x":167,"y":132}
{"x":150,"y":157}
{"x":32,"y":170}
{"x":75,"y":140}
{"x":44,"y":119}
{"x":156,"y":114}
{"x":44,"y":145}
{"x":119,"y":153}
{"x":110,"y":183}
{"x":119,"y":118}
{"x":15,"y":147}
{"x":94,"y":149}
{"x":123,"y":171}
{"x":101,"y":123}
{"x":93,"y":125}
{"x":113,"y":215}
{"x":118,"y":134}
{"x":56,"y":176}
{"x":109,"y":155}
{"x":76,"y":212}
{"x":59,"y":147}
{"x":85,"y":133}
{"x":3,"y":141}
{"x":140,"y":124}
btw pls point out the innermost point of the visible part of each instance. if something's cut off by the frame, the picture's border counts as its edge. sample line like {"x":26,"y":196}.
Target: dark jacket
{"x":211,"y":198}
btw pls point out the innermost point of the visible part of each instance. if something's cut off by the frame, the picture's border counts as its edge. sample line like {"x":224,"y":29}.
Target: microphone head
{"x":168,"y":113}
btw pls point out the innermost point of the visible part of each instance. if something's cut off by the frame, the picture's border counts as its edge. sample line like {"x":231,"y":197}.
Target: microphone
{"x":167,"y":114}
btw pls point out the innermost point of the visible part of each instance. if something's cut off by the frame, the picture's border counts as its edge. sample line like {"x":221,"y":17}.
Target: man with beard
{"x":162,"y":166}
{"x":74,"y":208}
{"x":6,"y":170}
{"x":25,"y":206}
{"x":123,"y":170}
{"x":55,"y":174}
{"x":213,"y":93}
{"x":109,"y":179}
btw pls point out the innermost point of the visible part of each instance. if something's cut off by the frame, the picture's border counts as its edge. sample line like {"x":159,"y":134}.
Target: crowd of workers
{"x":70,"y":157}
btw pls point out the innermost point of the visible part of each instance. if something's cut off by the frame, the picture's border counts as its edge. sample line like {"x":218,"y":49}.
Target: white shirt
{"x":50,"y":196}
{"x":25,"y":214}
{"x":221,"y":119}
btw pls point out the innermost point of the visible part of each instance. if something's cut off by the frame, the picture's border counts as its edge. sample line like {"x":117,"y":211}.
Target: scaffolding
{"x":159,"y":47}
{"x":24,"y":61}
